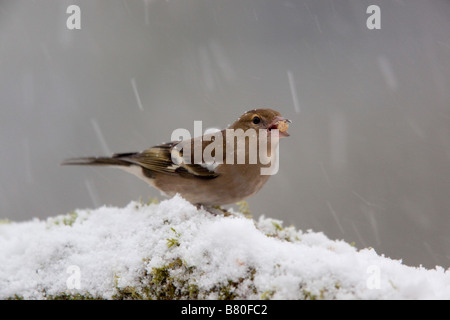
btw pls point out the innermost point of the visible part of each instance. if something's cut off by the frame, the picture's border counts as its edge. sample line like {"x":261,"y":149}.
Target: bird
{"x":173,"y":168}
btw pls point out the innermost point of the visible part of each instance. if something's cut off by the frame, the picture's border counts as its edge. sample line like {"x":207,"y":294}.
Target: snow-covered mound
{"x":172,"y":250}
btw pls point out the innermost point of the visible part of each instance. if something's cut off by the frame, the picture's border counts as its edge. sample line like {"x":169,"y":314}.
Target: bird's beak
{"x":282,"y":124}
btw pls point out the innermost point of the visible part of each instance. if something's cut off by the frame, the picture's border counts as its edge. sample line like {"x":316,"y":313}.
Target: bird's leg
{"x":215,"y":210}
{"x":225,"y":212}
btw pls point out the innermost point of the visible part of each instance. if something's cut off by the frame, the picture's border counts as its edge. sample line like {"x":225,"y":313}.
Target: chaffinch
{"x":210,"y":170}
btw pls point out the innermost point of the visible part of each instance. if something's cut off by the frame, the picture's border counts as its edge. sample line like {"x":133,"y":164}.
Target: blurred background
{"x":368,"y":160}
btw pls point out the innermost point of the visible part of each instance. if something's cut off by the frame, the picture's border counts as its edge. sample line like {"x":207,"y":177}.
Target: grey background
{"x":368,"y":159}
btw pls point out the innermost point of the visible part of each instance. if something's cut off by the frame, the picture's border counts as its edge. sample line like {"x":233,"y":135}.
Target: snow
{"x":110,"y":249}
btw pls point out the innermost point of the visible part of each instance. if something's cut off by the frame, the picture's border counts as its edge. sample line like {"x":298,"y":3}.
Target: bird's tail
{"x":115,"y":160}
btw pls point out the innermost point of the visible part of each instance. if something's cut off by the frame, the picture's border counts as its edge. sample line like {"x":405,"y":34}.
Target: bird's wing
{"x":159,"y":159}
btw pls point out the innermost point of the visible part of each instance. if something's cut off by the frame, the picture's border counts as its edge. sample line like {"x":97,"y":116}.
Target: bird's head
{"x":266,"y":119}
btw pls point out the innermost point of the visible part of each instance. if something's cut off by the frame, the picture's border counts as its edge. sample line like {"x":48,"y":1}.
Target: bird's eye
{"x":256,"y":120}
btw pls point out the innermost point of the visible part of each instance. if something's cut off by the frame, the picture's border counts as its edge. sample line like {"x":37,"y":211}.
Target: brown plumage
{"x":168,"y":167}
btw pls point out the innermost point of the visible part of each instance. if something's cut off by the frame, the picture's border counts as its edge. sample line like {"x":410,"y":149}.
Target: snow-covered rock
{"x":172,"y":250}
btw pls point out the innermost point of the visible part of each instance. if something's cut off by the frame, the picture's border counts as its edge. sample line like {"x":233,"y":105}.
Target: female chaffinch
{"x":225,"y":173}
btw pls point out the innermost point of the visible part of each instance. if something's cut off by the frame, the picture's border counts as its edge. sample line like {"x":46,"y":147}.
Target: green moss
{"x":70,"y":218}
{"x":66,"y":220}
{"x":277,"y":226}
{"x":323,"y":293}
{"x":150,"y":201}
{"x":228,"y":291}
{"x":267,"y":295}
{"x":278,"y":231}
{"x":193,"y":291}
{"x":176,"y":280}
{"x":127,"y":293}
{"x":170,"y":282}
{"x":72,"y":296}
{"x":173,"y":241}
{"x":308,"y":295}
{"x":62,"y":296}
{"x":244,"y":208}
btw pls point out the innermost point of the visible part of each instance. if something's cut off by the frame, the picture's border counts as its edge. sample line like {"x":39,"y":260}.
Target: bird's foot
{"x":215,"y":210}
